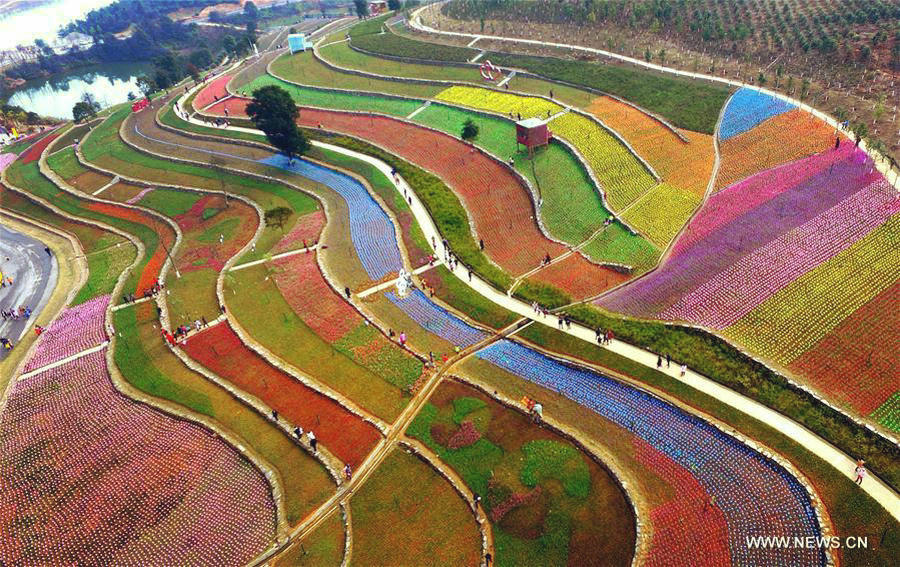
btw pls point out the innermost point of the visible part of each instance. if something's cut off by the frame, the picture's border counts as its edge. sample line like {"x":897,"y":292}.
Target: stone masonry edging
{"x":347,"y":519}
{"x":416,"y":23}
{"x":463,"y":491}
{"x":240,"y":331}
{"x":597,"y":451}
{"x":824,"y":519}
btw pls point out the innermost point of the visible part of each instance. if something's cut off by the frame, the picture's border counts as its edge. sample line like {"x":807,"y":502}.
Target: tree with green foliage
{"x":362,"y":8}
{"x":273,"y":111}
{"x":251,"y":12}
{"x":470,"y":130}
{"x":277,"y":217}
{"x":146,"y":85}
{"x":648,"y":56}
{"x":84,"y":110}
{"x":394,"y":4}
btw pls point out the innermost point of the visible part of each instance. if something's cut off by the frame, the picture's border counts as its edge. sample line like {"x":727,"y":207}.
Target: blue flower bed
{"x":748,"y":108}
{"x":437,"y":320}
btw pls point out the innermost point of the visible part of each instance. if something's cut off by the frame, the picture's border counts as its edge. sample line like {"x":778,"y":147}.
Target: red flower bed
{"x":197,"y":255}
{"x":466,"y":435}
{"x":578,"y":277}
{"x":688,"y":529}
{"x":208,"y":94}
{"x":498,"y":203}
{"x":90,"y":477}
{"x":857,"y":362}
{"x":347,"y":436}
{"x":236,"y":106}
{"x":312,"y":299}
{"x":152,"y":269}
{"x":514,"y":500}
{"x":307,"y":229}
{"x":34,"y":152}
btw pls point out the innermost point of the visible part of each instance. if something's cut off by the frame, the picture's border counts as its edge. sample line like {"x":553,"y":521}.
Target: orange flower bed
{"x":783,"y":138}
{"x":686,"y":165}
{"x":499,"y":204}
{"x":212,"y":92}
{"x":346,"y":435}
{"x":578,"y":277}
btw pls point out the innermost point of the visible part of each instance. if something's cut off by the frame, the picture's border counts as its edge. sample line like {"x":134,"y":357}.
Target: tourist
{"x":347,"y":292}
{"x":600,"y":335}
{"x":559,"y":322}
{"x":683,"y":369}
{"x":658,"y":361}
{"x":512,"y":161}
{"x":470,"y":275}
{"x":668,"y":360}
{"x":609,"y":336}
{"x":298,"y":432}
{"x":205,"y":324}
{"x":47,"y":250}
{"x":274,"y":415}
{"x":402,"y":339}
{"x":312,"y":440}
{"x":481,"y":243}
{"x":348,"y":472}
{"x":476,"y":501}
{"x":860,"y":471}
{"x":537,"y":413}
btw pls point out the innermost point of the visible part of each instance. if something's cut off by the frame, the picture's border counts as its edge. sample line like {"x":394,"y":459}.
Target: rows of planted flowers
{"x":76,"y":329}
{"x":740,"y":220}
{"x":686,"y":164}
{"x":621,"y":175}
{"x":780,"y":139}
{"x":578,"y":278}
{"x":498,"y":204}
{"x":755,"y":495}
{"x":437,"y":320}
{"x":864,"y":347}
{"x":747,"y":108}
{"x":661,"y":212}
{"x":733,"y":292}
{"x":347,"y":436}
{"x":88,"y":476}
{"x":371,"y":230}
{"x":688,"y":528}
{"x":304,"y":233}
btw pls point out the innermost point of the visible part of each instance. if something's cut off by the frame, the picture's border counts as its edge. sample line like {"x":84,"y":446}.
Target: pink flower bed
{"x":687,"y":529}
{"x":312,"y":299}
{"x":515,"y":500}
{"x":88,"y":476}
{"x":466,"y":435}
{"x":740,"y":198}
{"x":76,"y":329}
{"x":734,"y":292}
{"x":208,"y":94}
{"x":307,"y":229}
{"x":6,"y":159}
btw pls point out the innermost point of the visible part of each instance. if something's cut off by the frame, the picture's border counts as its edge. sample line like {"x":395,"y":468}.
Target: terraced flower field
{"x":89,"y":475}
{"x":76,"y":329}
{"x":747,"y":108}
{"x":214,"y":91}
{"x":499,"y":206}
{"x":662,"y":212}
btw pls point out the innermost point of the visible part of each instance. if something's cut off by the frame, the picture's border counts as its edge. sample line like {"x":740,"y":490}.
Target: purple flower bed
{"x":76,"y":329}
{"x":747,"y":108}
{"x":90,"y":477}
{"x":755,"y":494}
{"x":436,"y":320}
{"x":742,"y":235}
{"x":732,"y":293}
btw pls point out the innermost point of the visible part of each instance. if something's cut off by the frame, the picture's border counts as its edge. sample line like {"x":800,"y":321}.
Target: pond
{"x":55,"y":96}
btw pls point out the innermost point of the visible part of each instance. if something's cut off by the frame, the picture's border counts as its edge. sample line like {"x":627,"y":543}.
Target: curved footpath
{"x":843,"y":463}
{"x":415,"y":22}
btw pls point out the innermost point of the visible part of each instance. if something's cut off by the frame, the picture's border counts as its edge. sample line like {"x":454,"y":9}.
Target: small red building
{"x":532,"y":133}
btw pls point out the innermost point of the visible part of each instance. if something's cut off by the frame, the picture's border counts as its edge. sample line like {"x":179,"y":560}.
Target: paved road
{"x":34,"y":275}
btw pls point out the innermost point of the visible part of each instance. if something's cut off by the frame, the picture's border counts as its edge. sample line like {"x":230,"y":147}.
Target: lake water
{"x":110,"y":84}
{"x":42,"y":20}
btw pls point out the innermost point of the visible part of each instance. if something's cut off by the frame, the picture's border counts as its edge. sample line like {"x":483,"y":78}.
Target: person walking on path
{"x":347,"y":292}
{"x":312,"y":440}
{"x":683,"y":370}
{"x":668,"y":360}
{"x":298,"y":432}
{"x":402,"y":339}
{"x":47,"y":250}
{"x":658,"y":361}
{"x":348,"y":472}
{"x":481,"y":243}
{"x":274,"y":415}
{"x":860,"y":471}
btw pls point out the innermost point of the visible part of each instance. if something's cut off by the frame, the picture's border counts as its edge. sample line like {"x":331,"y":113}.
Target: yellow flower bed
{"x":662,"y":212}
{"x":494,"y":101}
{"x":797,"y":317}
{"x":684,"y":164}
{"x":622,"y":176}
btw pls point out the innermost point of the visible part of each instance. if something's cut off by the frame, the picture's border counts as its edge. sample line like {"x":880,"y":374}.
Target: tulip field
{"x":77,"y":328}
